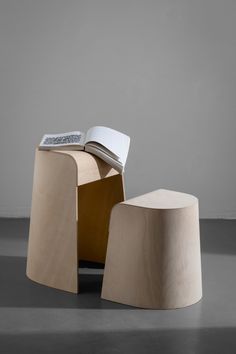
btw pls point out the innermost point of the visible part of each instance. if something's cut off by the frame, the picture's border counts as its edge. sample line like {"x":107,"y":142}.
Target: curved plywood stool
{"x":153,"y":256}
{"x":73,"y":193}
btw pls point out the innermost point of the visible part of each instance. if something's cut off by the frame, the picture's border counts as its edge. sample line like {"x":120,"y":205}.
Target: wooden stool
{"x":73,"y":193}
{"x":153,"y":256}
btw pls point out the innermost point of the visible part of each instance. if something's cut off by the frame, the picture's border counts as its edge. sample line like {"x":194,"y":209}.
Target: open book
{"x":108,"y":144}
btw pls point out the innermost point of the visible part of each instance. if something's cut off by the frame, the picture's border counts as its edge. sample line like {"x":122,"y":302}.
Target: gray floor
{"x":37,"y":319}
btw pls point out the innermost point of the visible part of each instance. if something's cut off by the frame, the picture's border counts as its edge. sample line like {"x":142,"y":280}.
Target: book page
{"x":102,"y":148}
{"x":114,"y":141}
{"x":75,"y":138}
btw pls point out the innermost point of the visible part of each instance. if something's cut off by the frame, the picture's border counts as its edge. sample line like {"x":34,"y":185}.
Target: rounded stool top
{"x":163,"y":199}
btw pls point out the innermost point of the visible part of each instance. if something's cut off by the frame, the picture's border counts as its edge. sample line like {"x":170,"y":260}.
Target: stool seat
{"x":162,"y":199}
{"x":153,"y":257}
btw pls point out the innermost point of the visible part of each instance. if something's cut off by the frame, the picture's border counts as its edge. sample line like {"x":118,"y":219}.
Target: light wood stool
{"x":153,"y":256}
{"x":73,"y":193}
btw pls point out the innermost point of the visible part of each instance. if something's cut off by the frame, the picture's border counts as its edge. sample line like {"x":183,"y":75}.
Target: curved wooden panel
{"x":52,"y":249}
{"x":90,"y":168}
{"x":95,"y":201}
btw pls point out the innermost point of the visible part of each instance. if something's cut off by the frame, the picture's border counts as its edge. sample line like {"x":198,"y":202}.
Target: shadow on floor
{"x":171,"y":341}
{"x":19,"y":291}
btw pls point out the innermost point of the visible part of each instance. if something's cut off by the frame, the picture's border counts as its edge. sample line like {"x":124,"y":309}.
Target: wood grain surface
{"x":153,"y":256}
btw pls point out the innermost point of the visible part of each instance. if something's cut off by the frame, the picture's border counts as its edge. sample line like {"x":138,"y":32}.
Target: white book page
{"x":117,"y":142}
{"x":63,"y":139}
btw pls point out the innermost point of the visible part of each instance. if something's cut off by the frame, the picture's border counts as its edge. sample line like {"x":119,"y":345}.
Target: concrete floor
{"x":37,"y":319}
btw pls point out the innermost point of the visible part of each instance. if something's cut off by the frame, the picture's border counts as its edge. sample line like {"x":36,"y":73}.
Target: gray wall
{"x":164,"y":72}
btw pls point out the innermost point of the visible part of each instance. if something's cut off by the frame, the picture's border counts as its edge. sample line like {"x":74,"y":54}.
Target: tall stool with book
{"x":78,"y":178}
